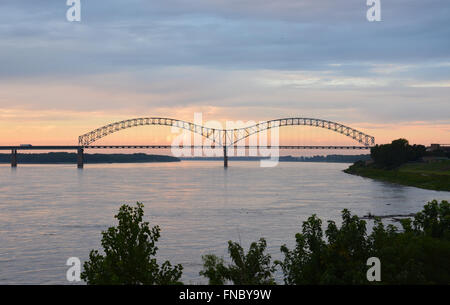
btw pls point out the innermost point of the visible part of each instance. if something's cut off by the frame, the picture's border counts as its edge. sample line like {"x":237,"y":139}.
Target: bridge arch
{"x":226,"y":137}
{"x":210,"y":133}
{"x":238,"y":134}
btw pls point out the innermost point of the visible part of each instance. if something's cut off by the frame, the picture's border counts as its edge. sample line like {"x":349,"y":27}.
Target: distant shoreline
{"x":70,"y":158}
{"x":319,"y":158}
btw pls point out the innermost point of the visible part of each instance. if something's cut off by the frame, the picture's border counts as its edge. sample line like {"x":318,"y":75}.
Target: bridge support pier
{"x":80,"y":157}
{"x":14,"y":158}
{"x":225,"y":157}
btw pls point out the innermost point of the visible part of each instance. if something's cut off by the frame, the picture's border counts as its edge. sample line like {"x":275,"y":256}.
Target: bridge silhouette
{"x":224,"y":138}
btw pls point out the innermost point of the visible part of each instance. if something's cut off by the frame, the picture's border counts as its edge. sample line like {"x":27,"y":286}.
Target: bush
{"x":253,"y":268}
{"x":129,"y":254}
{"x":418,"y":255}
{"x":340,"y":261}
{"x":432,"y":221}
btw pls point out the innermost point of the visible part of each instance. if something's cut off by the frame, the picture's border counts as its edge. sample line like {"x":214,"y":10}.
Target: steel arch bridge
{"x":225,"y":137}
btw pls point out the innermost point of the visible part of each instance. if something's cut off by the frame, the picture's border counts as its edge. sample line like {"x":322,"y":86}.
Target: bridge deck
{"x":69,"y":147}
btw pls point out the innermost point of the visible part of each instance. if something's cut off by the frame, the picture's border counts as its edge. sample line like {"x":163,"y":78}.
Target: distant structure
{"x":435,"y":147}
{"x":440,"y":149}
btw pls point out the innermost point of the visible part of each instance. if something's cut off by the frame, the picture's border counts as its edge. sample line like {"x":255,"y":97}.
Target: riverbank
{"x":431,"y":176}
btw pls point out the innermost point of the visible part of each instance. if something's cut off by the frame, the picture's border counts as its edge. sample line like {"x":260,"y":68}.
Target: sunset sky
{"x":230,"y":60}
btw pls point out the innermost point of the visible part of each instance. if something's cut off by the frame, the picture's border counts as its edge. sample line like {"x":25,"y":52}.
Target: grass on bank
{"x":432,"y":176}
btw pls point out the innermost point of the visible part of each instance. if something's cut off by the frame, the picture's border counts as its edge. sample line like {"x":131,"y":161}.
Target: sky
{"x":248,"y":60}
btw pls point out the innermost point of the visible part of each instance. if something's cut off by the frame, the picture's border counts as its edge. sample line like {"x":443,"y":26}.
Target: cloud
{"x":37,"y":40}
{"x":256,"y":58}
{"x":234,"y":92}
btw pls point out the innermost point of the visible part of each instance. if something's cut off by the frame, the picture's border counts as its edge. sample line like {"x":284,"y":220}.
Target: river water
{"x":49,"y":213}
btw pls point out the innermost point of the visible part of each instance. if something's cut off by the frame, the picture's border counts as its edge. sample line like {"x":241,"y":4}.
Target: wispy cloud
{"x":320,"y":58}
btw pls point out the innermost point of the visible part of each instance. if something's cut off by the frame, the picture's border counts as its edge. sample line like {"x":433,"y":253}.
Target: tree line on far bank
{"x":399,"y":152}
{"x":418,"y":253}
{"x":65,"y":157}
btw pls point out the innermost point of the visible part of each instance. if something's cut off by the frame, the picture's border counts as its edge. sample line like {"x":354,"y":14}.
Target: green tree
{"x":416,"y":255}
{"x":395,"y":154}
{"x":253,"y":268}
{"x":313,"y":261}
{"x":214,"y":269}
{"x":433,"y":221}
{"x":129,"y":251}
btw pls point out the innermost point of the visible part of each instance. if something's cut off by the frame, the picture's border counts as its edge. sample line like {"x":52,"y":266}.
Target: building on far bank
{"x":438,"y":152}
{"x":443,"y":147}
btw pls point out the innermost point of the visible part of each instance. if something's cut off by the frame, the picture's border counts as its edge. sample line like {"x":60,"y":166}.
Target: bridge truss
{"x":226,"y":137}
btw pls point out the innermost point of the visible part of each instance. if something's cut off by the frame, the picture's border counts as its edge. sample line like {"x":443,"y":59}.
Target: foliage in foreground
{"x":129,"y":254}
{"x":419,"y":254}
{"x":253,"y":268}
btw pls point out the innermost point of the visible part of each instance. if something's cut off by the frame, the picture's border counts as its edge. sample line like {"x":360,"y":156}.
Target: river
{"x":49,"y":213}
